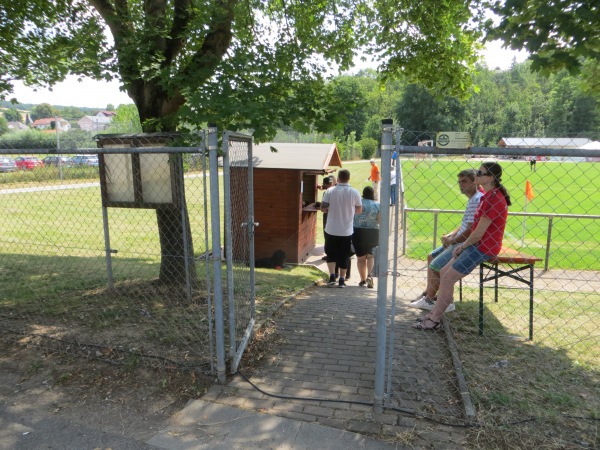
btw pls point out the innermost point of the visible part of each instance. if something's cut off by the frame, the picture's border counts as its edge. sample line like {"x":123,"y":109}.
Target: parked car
{"x":7,"y":164}
{"x":85,"y":160}
{"x":28,"y":162}
{"x":53,"y":161}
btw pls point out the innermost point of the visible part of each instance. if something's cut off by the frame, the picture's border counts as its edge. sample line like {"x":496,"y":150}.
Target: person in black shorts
{"x":366,"y":236}
{"x":341,"y":203}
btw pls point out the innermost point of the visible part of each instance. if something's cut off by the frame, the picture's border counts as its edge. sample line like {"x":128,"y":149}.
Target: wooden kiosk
{"x":285,"y":192}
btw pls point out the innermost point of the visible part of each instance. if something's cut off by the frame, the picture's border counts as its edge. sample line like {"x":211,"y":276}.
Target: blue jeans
{"x":470,"y":258}
{"x":440,"y":257}
{"x":393,"y":194}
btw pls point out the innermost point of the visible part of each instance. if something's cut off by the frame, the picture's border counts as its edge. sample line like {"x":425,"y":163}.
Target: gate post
{"x":216,"y":250}
{"x":383,"y":262}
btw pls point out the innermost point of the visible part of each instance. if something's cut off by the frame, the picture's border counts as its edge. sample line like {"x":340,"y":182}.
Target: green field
{"x":39,"y":222}
{"x":560,"y":188}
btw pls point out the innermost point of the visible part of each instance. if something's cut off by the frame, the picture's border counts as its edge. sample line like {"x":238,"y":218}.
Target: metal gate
{"x":239,"y":241}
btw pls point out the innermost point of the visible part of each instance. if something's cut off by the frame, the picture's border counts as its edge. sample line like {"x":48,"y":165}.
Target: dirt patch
{"x":134,"y":402}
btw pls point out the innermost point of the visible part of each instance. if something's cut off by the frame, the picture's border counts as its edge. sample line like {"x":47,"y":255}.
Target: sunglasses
{"x":483,"y":174}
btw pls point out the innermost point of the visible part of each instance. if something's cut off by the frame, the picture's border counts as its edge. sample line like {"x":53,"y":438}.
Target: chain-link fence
{"x":239,"y":212}
{"x":106,"y":251}
{"x":520,"y":347}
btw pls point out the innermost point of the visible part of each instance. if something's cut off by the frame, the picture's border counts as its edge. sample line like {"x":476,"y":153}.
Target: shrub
{"x":368,"y":147}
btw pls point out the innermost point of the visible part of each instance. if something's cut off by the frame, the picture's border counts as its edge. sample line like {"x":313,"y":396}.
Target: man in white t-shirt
{"x":438,"y":258}
{"x":340,"y":203}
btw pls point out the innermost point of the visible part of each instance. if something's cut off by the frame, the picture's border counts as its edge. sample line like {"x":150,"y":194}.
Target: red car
{"x":28,"y":162}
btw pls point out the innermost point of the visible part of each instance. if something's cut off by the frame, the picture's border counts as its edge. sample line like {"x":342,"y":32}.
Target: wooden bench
{"x":518,"y":263}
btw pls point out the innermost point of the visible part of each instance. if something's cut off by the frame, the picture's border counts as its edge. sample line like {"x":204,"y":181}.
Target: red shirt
{"x":493,"y":206}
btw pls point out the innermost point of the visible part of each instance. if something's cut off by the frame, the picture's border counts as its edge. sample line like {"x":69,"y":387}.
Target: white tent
{"x":593,"y":145}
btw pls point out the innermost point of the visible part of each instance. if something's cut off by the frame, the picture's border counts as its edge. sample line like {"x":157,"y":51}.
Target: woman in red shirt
{"x":484,"y":242}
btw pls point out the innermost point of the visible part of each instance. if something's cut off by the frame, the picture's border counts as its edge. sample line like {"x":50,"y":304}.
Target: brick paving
{"x":328,"y":353}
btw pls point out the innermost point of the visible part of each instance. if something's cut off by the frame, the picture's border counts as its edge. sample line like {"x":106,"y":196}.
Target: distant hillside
{"x":29,"y":106}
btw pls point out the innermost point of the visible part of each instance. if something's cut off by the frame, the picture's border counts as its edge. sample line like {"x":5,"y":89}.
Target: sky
{"x":98,"y":94}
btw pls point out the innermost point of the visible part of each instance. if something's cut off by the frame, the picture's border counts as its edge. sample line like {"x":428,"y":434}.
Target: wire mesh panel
{"x":104,"y":250}
{"x":239,"y":233}
{"x":511,"y":346}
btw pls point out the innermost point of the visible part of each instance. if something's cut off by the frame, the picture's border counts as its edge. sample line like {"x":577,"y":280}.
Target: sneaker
{"x":362,"y":284}
{"x":332,"y":280}
{"x":423,"y":303}
{"x":450,"y":307}
{"x":421,"y":295}
{"x":370,"y":282}
{"x":342,"y":283}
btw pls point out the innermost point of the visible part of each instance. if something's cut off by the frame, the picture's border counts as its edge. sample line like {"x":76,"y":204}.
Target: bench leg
{"x":496,"y":284}
{"x":481,"y":300}
{"x":531,"y":303}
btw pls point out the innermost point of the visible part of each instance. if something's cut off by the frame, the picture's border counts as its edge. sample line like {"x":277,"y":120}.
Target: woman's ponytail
{"x":495,"y":169}
{"x":505,"y":193}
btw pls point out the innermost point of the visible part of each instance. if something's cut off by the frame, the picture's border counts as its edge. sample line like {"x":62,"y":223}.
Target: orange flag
{"x":529,"y":191}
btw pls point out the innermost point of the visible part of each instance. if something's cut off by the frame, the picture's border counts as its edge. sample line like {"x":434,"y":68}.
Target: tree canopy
{"x":264,"y":64}
{"x":12,"y":115}
{"x":558,"y":35}
{"x":42,"y":111}
{"x":240,"y":63}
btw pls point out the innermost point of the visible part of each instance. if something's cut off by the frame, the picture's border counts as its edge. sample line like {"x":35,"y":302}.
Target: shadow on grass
{"x":65,"y":301}
{"x":554,"y":379}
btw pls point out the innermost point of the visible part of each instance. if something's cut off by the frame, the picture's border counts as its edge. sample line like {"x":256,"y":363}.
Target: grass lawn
{"x":560,"y":188}
{"x":550,"y":383}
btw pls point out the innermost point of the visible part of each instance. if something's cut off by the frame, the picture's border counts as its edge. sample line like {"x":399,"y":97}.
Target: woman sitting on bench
{"x":484,"y":242}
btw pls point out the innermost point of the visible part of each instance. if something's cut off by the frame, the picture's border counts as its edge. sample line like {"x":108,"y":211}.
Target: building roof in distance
{"x":309,"y":157}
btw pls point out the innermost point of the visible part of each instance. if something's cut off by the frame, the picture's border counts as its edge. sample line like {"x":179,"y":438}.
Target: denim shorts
{"x":441,"y":256}
{"x":470,"y":258}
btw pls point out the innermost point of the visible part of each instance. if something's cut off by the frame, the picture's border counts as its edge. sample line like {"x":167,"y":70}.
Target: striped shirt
{"x":469,"y":216}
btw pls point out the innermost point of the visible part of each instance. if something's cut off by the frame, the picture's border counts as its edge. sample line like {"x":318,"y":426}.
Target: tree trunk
{"x":173,"y":247}
{"x":155,"y":108}
{"x":176,"y":246}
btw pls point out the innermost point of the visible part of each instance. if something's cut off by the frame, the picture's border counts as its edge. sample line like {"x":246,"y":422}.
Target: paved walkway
{"x":322,"y":373}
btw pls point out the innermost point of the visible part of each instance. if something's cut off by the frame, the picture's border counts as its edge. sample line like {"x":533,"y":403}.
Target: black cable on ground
{"x":406,"y":411}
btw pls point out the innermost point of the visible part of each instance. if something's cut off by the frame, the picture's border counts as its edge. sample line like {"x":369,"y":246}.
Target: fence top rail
{"x":95,"y":151}
{"x":526,"y":214}
{"x":237,"y":136}
{"x":493,"y":151}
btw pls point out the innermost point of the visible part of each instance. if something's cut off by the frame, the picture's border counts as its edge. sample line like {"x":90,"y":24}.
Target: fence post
{"x":548,"y":242}
{"x":107,"y":249}
{"x":382,"y":260}
{"x":435,"y":228}
{"x":184,"y":221}
{"x":216,"y":250}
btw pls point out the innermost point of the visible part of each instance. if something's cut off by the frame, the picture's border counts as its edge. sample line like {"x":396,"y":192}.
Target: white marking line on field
{"x":48,"y":188}
{"x":68,"y":186}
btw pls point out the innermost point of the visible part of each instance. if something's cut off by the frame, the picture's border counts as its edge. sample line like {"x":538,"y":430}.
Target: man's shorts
{"x":337,"y":249}
{"x":441,"y":256}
